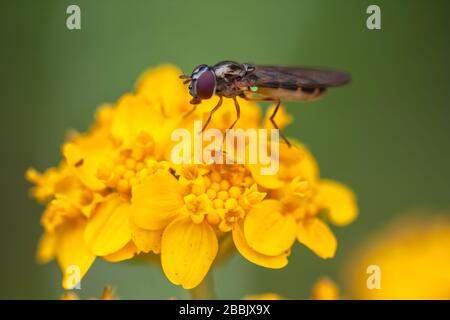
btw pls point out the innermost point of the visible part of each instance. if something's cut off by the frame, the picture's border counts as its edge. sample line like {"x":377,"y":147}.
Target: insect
{"x":259,"y":83}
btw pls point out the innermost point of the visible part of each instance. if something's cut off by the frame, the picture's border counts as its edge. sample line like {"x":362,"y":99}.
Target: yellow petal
{"x":307,"y":168}
{"x":297,"y":161}
{"x":187,"y":251}
{"x":125,"y":253}
{"x":163,"y":86}
{"x":84,"y":156}
{"x":293,"y":162}
{"x":269,"y":181}
{"x":156,"y":201}
{"x":108,"y":229}
{"x":259,"y":171}
{"x":73,"y":255}
{"x":146,"y":240}
{"x":134,"y":115}
{"x":52,"y":181}
{"x":47,"y":247}
{"x":267,"y":230}
{"x":273,"y":262}
{"x":317,"y":236}
{"x":340,"y":202}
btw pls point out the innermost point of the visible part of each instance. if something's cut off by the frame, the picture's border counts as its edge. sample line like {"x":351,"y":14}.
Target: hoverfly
{"x":259,"y":83}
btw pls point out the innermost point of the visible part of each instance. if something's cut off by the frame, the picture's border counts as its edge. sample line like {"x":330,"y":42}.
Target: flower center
{"x":221,"y":196}
{"x":132,"y":165}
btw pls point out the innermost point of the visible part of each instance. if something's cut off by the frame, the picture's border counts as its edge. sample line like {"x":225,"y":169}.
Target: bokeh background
{"x":386,"y":135}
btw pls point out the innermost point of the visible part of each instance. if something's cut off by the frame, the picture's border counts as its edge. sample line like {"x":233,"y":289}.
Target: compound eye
{"x":206,"y":84}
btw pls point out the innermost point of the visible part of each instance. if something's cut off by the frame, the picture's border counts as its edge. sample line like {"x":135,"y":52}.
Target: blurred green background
{"x":386,"y":135}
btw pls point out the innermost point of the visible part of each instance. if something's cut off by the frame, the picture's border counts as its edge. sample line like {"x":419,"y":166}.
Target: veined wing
{"x":293,"y":78}
{"x":289,"y":84}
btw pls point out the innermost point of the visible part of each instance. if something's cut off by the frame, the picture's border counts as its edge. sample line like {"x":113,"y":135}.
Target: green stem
{"x":226,"y":248}
{"x":205,"y":290}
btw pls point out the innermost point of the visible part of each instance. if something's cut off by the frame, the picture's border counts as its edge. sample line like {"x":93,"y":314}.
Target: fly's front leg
{"x":187,"y":114}
{"x":212,"y":112}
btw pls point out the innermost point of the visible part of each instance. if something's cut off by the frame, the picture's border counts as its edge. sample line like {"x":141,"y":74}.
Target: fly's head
{"x":202,"y":83}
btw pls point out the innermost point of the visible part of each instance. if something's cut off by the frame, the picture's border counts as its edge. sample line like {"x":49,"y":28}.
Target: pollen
{"x":218,"y":203}
{"x":231,"y":203}
{"x":132,"y":165}
{"x":197,"y":218}
{"x":234,"y":192}
{"x":215,"y":176}
{"x":215,"y":186}
{"x":217,"y":195}
{"x":139,"y":166}
{"x":207,"y":181}
{"x":198,"y":189}
{"x":211,"y":193}
{"x":104,"y":173}
{"x":119,"y":170}
{"x":223,"y":195}
{"x":213,"y":218}
{"x":123,"y":186}
{"x":137,"y":154}
{"x":224,"y":185}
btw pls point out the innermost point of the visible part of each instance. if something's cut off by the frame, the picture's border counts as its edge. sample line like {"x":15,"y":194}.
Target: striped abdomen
{"x":291,"y":94}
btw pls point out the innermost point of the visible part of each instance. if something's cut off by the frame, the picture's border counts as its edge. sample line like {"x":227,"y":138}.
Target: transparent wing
{"x":294,"y":77}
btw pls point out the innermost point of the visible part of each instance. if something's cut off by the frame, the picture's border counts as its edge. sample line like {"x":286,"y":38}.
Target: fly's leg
{"x":272,"y":119}
{"x":212,"y":112}
{"x":272,"y":116}
{"x":187,"y":114}
{"x":238,"y":116}
{"x":238,"y":113}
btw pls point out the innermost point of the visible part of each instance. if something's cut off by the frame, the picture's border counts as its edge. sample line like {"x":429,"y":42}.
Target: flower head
{"x":117,"y":193}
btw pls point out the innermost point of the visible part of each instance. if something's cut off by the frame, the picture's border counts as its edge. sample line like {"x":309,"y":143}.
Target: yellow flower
{"x":64,"y":219}
{"x":296,"y":198}
{"x":117,"y":193}
{"x":194,"y":215}
{"x":412,"y":257}
{"x":325,"y":289}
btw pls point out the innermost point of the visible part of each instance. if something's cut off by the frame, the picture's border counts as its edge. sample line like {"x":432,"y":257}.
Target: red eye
{"x":206,"y":84}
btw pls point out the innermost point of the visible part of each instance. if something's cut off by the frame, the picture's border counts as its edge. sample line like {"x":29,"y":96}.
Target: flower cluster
{"x":116,"y":193}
